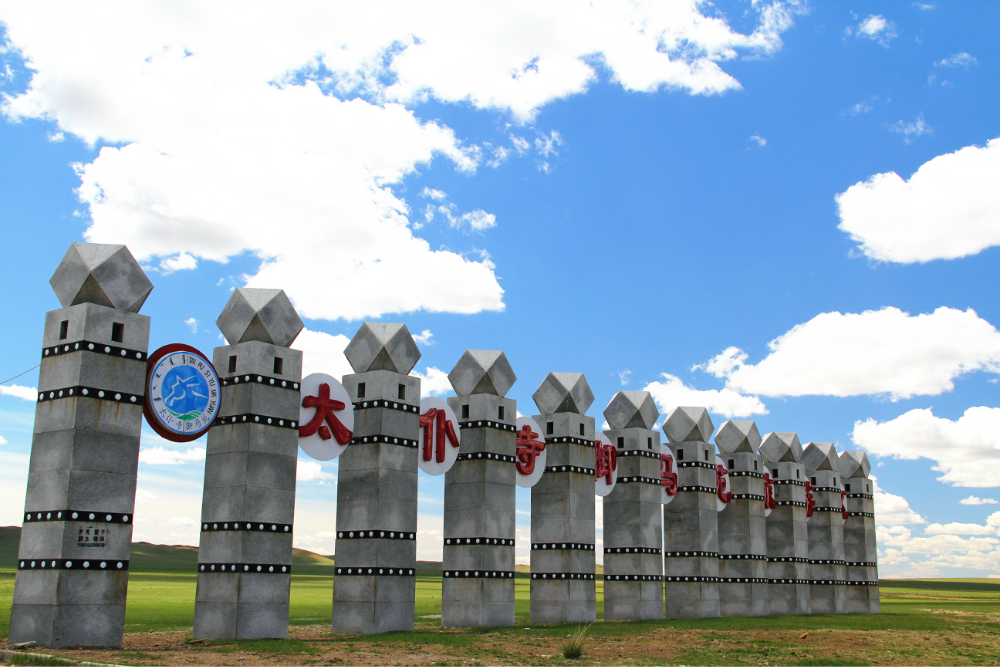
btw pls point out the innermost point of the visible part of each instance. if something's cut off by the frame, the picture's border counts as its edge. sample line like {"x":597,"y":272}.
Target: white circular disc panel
{"x":601,"y":486}
{"x":435,"y":460}
{"x":665,"y":449}
{"x":529,"y":480}
{"x":315,"y":445}
{"x":719,"y":504}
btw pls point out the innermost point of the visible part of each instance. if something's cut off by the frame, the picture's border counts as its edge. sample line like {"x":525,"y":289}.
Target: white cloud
{"x":17,"y":391}
{"x":192,"y":324}
{"x":625,"y":376}
{"x":862,"y":107}
{"x":966,"y":451}
{"x":183,"y":521}
{"x":892,"y":510}
{"x":436,"y":195}
{"x":424,"y":337}
{"x":914,"y":128}
{"x":875,"y":352}
{"x":974,"y":500}
{"x":959,"y":529}
{"x":312,"y":471}
{"x":924,"y":6}
{"x":323,"y":353}
{"x":144,"y":497}
{"x":875,"y":27}
{"x":672,"y":392}
{"x":958,"y":60}
{"x":291,"y":153}
{"x":160,"y":456}
{"x":477,"y":220}
{"x":546,"y":145}
{"x":434,"y":382}
{"x":55,"y":137}
{"x":757,"y":141}
{"x":3,"y":440}
{"x":949,"y":208}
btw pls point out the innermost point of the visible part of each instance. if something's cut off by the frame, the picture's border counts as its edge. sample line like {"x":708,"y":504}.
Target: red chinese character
{"x":843,"y":505}
{"x":605,"y":461}
{"x":720,"y":484}
{"x":810,"y":501}
{"x":445,"y":429}
{"x":527,"y":449}
{"x":668,"y":478}
{"x":325,"y":407}
{"x":769,"y":501}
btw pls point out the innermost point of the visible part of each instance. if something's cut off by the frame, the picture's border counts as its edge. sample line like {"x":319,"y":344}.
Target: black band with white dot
{"x":827,"y":489}
{"x":699,"y":489}
{"x":632,"y":550}
{"x":376,"y":571}
{"x":99,"y":348}
{"x":789,"y":581}
{"x":77,"y":515}
{"x":829,"y":582}
{"x":478,"y":574}
{"x":577,"y":469}
{"x":868,"y":514}
{"x":259,"y":420}
{"x":828,"y":509}
{"x":639,"y":479}
{"x":861,"y":495}
{"x":639,"y":452}
{"x":691,"y":554}
{"x":266,"y":380}
{"x":742,"y":557}
{"x":384,"y":439}
{"x":561,"y":576}
{"x":391,"y":405}
{"x":569,"y":440}
{"x":251,"y":526}
{"x":633,"y":577}
{"x":793,"y":482}
{"x":375,"y":535}
{"x":859,"y":564}
{"x":487,"y":456}
{"x":746,"y":473}
{"x":822,"y":561}
{"x":693,"y":580}
{"x":244,"y":568}
{"x":786,"y":559}
{"x":559,"y":546}
{"x":743,"y":580}
{"x":695,"y":464}
{"x":791,"y":503}
{"x":747,"y":496}
{"x":484,"y":541}
{"x":79,"y":391}
{"x":72,"y":564}
{"x":500,"y":426}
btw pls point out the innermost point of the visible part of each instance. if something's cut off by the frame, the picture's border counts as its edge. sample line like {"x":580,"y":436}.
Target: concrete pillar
{"x":245,"y":553}
{"x":375,"y":578}
{"x":76,"y":539}
{"x":479,"y":498}
{"x":826,"y":529}
{"x":860,"y":552}
{"x":562,"y":505}
{"x":743,"y":587}
{"x":787,"y":532}
{"x":633,"y":571}
{"x":691,"y":521}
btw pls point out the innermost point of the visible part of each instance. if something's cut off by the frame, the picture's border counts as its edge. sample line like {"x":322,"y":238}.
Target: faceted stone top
{"x":631,"y":409}
{"x":379,"y":346}
{"x":820,"y":456}
{"x":854,"y":464}
{"x":738,"y":436}
{"x":563,"y":392}
{"x":482,"y":372}
{"x":782,"y":447}
{"x":264,"y":315}
{"x":107,"y":275}
{"x":688,"y":425}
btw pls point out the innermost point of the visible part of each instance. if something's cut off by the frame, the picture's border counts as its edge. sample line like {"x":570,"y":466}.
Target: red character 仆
{"x":668,"y":478}
{"x":769,"y":501}
{"x":605,"y":461}
{"x":810,"y":501}
{"x":325,"y":408}
{"x":527,"y":449}
{"x":435,"y":422}
{"x":720,"y":484}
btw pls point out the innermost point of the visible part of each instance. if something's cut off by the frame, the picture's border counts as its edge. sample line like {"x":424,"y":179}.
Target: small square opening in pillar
{"x":754,"y":465}
{"x":835,"y":481}
{"x":232,"y":364}
{"x":500,"y":412}
{"x":776,"y":473}
{"x":361,"y":390}
{"x":117,"y":332}
{"x":550,"y":428}
{"x":847,"y":487}
{"x":649,"y":443}
{"x":732,"y":464}
{"x":797,"y":475}
{"x":401,"y":393}
{"x":581,"y":429}
{"x":813,"y":480}
{"x":63,"y":329}
{"x":706,"y":454}
{"x":465,"y":411}
{"x":621,"y":442}
{"x":278,"y":363}
{"x":680,"y":454}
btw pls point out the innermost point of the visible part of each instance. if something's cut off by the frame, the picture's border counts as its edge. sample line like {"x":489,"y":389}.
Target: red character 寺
{"x":720,"y":484}
{"x":527,"y":449}
{"x":668,"y":478}
{"x":605,"y":461}
{"x":810,"y":501}
{"x":436,"y":421}
{"x":769,"y":501}
{"x":325,"y":408}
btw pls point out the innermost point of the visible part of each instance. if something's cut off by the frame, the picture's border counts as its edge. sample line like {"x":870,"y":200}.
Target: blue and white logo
{"x":183,"y":395}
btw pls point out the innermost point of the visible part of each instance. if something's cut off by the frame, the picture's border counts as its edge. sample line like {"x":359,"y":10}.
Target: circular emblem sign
{"x":182,"y":393}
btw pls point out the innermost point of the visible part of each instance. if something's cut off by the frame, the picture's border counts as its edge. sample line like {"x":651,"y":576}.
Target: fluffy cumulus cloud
{"x":965,"y":451}
{"x":672,"y":393}
{"x":949,"y":208}
{"x":323,"y":353}
{"x":976,"y":500}
{"x":875,"y":27}
{"x":434,"y":382}
{"x":17,"y":391}
{"x":215,"y":147}
{"x":887,"y":352}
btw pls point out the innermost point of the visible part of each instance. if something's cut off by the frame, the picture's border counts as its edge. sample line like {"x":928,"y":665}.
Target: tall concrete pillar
{"x":245,"y":553}
{"x":633,"y":571}
{"x":826,"y":529}
{"x":787,"y":532}
{"x":860,"y":551}
{"x":479,"y":498}
{"x":375,"y":578}
{"x":76,"y":539}
{"x":562,"y":505}
{"x":691,"y":521}
{"x":743,"y":587}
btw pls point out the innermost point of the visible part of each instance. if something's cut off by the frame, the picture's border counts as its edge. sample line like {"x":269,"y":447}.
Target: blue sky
{"x":783,"y":212}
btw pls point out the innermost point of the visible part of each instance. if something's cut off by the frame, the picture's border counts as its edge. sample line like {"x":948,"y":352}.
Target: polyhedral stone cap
{"x":820,"y":456}
{"x":563,"y":392}
{"x":107,"y":275}
{"x":265,"y":315}
{"x":482,"y":372}
{"x":379,"y":346}
{"x":854,"y":464}
{"x":738,"y":436}
{"x":778,"y":447}
{"x":631,"y":409}
{"x":688,"y":424}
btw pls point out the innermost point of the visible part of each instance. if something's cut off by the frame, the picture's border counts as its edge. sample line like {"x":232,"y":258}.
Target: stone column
{"x":860,"y":552}
{"x":633,"y":571}
{"x":245,"y":553}
{"x":479,"y":500}
{"x":826,"y":529}
{"x":76,"y":539}
{"x":691,"y":520}
{"x":562,"y":505}
{"x":743,"y":587}
{"x":787,"y":534}
{"x":375,"y":582}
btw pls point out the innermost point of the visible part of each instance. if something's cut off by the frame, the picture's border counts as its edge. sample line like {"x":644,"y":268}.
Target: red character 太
{"x":325,"y":407}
